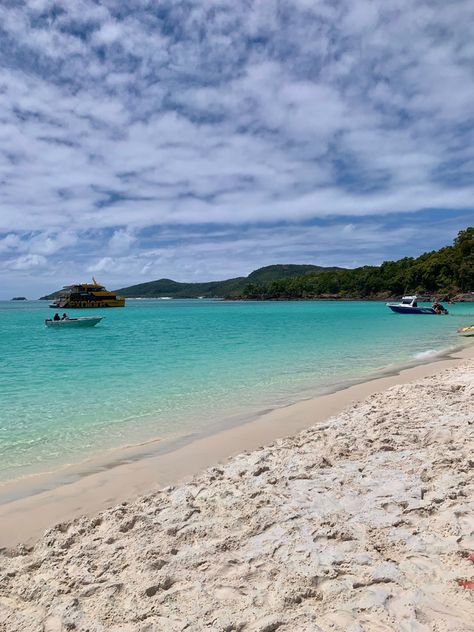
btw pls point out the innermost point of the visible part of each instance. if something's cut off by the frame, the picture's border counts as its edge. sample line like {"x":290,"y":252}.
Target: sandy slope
{"x":361,"y":523}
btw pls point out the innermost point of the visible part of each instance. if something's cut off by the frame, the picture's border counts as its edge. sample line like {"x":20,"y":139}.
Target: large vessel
{"x":86,"y":295}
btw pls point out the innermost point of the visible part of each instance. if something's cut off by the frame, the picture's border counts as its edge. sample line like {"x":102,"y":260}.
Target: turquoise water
{"x":169,"y":368}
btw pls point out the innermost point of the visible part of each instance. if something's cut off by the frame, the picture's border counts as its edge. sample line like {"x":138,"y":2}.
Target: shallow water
{"x":169,"y":368}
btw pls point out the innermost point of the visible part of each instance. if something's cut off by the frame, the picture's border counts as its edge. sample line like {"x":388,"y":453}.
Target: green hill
{"x":285,"y":271}
{"x":216,"y":289}
{"x":167,"y":287}
{"x":211,"y":289}
{"x":448,"y":271}
{"x":50,"y":297}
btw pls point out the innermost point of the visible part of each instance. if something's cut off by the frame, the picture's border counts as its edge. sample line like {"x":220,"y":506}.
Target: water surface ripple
{"x":168,"y":368}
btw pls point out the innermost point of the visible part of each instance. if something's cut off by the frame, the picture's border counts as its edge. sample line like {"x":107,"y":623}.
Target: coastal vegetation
{"x":212,"y":289}
{"x":219,"y":289}
{"x":448,"y":271}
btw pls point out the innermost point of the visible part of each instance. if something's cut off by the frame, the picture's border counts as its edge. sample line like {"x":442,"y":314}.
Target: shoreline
{"x":25,"y":515}
{"x":110,"y":457}
{"x":361,"y":521}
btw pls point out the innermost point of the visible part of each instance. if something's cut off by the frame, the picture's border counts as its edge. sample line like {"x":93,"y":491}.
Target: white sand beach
{"x":363,"y":522}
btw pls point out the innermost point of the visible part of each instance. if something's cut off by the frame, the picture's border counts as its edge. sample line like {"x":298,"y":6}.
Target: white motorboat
{"x":409,"y":305}
{"x":81,"y":321}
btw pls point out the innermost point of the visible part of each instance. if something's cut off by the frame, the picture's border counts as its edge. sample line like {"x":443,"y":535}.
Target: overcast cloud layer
{"x":199,"y":140}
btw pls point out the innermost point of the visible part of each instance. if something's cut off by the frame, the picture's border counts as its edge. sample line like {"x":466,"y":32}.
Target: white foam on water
{"x":429,"y":353}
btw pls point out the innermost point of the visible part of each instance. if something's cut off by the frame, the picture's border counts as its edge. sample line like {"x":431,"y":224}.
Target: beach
{"x":236,"y":307}
{"x":361,"y":521}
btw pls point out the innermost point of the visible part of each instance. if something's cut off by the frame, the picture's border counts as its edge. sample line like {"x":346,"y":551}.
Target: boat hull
{"x":88,"y":303}
{"x":468,"y":332}
{"x":73,"y":322}
{"x":401,"y":309}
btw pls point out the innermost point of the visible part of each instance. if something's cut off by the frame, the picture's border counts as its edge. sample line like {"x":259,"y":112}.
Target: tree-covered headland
{"x":448,"y":271}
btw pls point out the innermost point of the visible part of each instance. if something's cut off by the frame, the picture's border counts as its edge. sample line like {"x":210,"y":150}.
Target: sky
{"x":201,"y":140}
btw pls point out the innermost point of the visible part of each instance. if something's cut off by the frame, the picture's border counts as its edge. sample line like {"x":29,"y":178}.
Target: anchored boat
{"x":409,"y":305}
{"x":83,"y":321}
{"x":85,"y":295}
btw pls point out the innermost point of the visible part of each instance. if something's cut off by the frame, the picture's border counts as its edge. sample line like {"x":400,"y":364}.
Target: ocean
{"x":160,"y":369}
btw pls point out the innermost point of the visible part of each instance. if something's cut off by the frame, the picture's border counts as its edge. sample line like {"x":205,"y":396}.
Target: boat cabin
{"x":409,"y":300}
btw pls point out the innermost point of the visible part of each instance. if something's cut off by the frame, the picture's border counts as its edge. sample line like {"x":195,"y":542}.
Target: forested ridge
{"x":220,"y":289}
{"x":211,"y":289}
{"x":447,"y":271}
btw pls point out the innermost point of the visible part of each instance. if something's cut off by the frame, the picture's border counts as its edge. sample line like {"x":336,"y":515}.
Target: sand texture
{"x":364,"y":522}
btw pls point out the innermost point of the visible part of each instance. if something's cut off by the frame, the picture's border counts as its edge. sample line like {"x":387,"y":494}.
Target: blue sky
{"x":201,"y":140}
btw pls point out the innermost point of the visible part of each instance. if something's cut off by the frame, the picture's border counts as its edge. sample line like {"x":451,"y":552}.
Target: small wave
{"x":430,"y":353}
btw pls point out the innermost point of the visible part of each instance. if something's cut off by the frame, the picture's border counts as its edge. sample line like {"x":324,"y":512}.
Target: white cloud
{"x":106,"y":263}
{"x":9,"y":242}
{"x":121,"y":241}
{"x":117,"y":119}
{"x":27,"y":262}
{"x":49,"y":243}
{"x":108,"y":33}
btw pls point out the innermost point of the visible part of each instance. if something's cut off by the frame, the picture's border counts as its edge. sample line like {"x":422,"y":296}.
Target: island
{"x":444,"y":274}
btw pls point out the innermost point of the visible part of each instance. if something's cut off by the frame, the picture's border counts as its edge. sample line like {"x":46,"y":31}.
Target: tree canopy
{"x":449,"y":270}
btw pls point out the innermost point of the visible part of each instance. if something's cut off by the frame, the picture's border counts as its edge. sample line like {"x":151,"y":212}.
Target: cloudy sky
{"x":199,"y":140}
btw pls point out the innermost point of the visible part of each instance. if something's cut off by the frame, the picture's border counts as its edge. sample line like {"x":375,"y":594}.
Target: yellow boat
{"x":85,"y":295}
{"x":466,"y":331}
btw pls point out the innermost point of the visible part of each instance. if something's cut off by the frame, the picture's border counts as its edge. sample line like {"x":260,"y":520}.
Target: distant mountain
{"x":285,"y":271}
{"x":447,"y":271}
{"x":167,"y":287}
{"x":212,"y":289}
{"x":50,"y":297}
{"x":217,"y":289}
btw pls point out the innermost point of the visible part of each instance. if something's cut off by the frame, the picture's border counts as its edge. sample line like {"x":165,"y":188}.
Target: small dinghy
{"x":466,"y":331}
{"x":82,"y":321}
